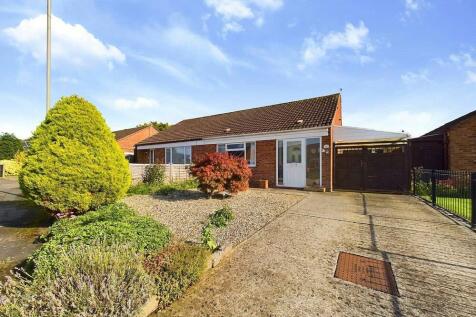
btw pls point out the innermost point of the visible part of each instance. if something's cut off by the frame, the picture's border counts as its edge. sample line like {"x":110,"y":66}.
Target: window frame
{"x":169,"y":157}
{"x":238,"y":149}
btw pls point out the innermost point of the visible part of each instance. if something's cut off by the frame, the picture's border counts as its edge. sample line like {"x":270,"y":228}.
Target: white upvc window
{"x":178,"y":155}
{"x":151,"y":156}
{"x":246,"y":150}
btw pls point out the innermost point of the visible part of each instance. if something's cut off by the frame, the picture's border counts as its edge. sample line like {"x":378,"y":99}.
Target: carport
{"x":369,"y":160}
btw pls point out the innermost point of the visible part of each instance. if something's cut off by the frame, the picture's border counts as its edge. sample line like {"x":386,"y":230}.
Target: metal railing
{"x":2,"y":170}
{"x":454,"y":191}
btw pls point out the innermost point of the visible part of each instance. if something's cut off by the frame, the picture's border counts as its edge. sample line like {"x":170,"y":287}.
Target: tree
{"x":9,"y":146}
{"x":73,"y":163}
{"x":159,"y":126}
{"x":218,"y":172}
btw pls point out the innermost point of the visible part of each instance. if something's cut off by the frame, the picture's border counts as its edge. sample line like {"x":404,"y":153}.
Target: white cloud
{"x":415,"y":77}
{"x":470,"y":77}
{"x":412,"y":6}
{"x":464,"y":59}
{"x":167,"y":66}
{"x":137,"y":103}
{"x":466,"y":62}
{"x":184,"y":39}
{"x":232,"y":11}
{"x":354,"y":37}
{"x":71,"y":43}
{"x":232,"y":27}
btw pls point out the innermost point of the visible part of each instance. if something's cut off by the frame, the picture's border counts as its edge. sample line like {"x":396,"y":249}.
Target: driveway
{"x":287,"y":268}
{"x":21,"y":223}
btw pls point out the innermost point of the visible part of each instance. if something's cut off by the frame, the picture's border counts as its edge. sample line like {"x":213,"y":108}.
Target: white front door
{"x":294,"y":163}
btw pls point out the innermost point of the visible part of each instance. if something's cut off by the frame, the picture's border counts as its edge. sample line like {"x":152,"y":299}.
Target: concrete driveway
{"x":21,"y":223}
{"x":287,"y":268}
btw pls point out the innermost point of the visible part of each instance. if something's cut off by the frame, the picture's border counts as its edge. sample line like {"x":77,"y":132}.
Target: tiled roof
{"x":314,"y":112}
{"x":120,"y":134}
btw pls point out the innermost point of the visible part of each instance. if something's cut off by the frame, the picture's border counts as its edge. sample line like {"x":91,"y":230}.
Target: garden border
{"x":217,"y":256}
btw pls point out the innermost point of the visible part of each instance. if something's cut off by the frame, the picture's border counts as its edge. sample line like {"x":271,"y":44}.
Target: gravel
{"x":186,"y":212}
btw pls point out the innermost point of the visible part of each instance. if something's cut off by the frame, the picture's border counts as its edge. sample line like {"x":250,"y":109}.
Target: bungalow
{"x":128,"y":138}
{"x":289,"y":144}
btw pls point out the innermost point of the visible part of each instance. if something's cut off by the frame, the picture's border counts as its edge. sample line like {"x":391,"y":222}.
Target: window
{"x":245,"y":150}
{"x":293,"y":154}
{"x":151,"y":157}
{"x":178,"y":155}
{"x":313,"y":162}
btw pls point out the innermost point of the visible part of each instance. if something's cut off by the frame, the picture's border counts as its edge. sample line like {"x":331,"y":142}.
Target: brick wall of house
{"x":462,"y":145}
{"x":265,"y":162}
{"x":127,"y":143}
{"x":199,"y":151}
{"x":337,"y":120}
{"x":142,"y":156}
{"x":159,"y":156}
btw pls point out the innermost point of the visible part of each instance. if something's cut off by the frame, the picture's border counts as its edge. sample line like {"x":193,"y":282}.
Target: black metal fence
{"x":454,"y":191}
{"x":2,"y":170}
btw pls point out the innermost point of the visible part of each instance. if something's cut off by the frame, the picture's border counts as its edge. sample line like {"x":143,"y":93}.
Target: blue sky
{"x":402,"y":64}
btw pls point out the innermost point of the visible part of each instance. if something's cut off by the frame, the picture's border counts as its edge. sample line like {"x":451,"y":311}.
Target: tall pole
{"x":48,"y":55}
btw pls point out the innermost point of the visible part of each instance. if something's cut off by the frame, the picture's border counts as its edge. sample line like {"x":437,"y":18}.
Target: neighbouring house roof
{"x":121,"y":134}
{"x":446,"y":126}
{"x":314,"y":112}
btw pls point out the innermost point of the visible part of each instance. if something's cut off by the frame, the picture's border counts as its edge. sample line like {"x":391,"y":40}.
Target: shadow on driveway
{"x":21,"y":222}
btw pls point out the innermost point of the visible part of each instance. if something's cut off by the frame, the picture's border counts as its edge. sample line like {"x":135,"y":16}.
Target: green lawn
{"x":458,"y":206}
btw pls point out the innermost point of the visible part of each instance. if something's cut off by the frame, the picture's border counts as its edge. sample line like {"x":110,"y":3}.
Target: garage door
{"x":381,"y":168}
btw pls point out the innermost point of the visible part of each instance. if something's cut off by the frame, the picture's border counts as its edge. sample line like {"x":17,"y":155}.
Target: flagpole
{"x":48,"y":55}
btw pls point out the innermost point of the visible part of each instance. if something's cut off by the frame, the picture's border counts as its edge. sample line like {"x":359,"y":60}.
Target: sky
{"x":401,"y":64}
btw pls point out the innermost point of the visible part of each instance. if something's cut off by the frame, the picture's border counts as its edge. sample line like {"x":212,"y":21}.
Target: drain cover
{"x":368,"y":272}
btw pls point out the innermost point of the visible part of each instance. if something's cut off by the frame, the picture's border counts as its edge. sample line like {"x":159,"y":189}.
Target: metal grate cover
{"x":368,"y":272}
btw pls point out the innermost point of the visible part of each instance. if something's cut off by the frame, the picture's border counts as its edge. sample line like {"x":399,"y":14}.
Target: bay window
{"x":178,"y":155}
{"x":246,"y":150}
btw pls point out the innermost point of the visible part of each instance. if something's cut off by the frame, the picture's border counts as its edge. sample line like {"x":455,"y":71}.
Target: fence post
{"x":473,"y":200}
{"x":433,"y":188}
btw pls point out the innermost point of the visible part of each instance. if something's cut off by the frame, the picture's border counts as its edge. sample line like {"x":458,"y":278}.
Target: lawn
{"x":459,"y":206}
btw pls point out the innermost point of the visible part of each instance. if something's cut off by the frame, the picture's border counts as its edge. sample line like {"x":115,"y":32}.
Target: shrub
{"x":9,"y":146}
{"x":164,"y":189}
{"x":219,"y":172}
{"x":115,"y":224}
{"x":222,"y":217}
{"x":93,"y":280}
{"x":154,"y":174}
{"x":73,"y":163}
{"x":142,"y":189}
{"x":208,"y":239}
{"x":12,"y":167}
{"x":176,"y":269}
{"x":167,"y":189}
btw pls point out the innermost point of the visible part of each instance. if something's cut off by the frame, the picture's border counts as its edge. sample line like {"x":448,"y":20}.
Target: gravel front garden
{"x":185,"y":212}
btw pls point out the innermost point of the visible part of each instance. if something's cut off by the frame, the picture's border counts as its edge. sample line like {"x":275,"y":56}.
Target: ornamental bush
{"x":175,"y":269}
{"x":73,"y":162}
{"x":115,"y":224}
{"x":90,"y":280}
{"x":154,"y":174}
{"x":218,"y":172}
